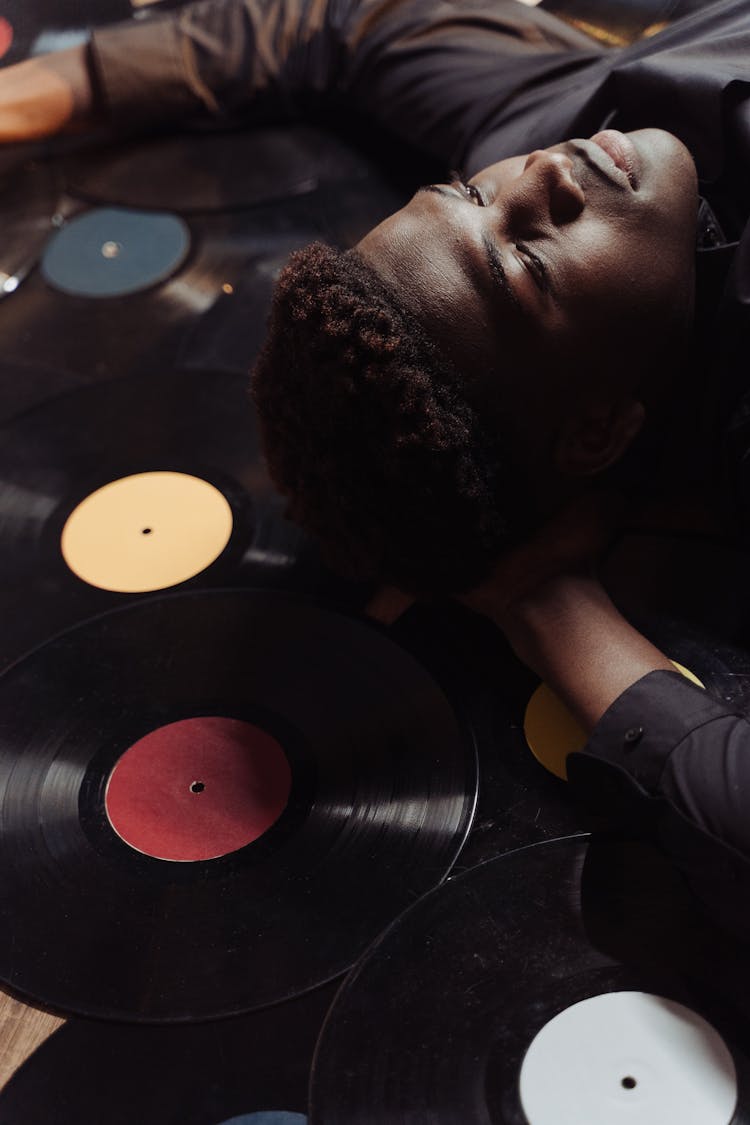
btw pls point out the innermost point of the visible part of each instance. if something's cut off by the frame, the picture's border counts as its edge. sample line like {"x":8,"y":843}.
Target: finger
{"x":388,"y":604}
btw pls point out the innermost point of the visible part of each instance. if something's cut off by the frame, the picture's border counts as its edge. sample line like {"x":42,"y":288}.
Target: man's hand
{"x":45,"y":96}
{"x":560,"y":620}
{"x":569,"y":544}
{"x":388,"y":604}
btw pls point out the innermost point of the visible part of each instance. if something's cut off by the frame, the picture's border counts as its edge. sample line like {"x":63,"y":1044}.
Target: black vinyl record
{"x":434,"y":1024}
{"x":255,"y":1068}
{"x":30,"y":190}
{"x":115,"y":252}
{"x":64,"y":450}
{"x":519,"y":802}
{"x":228,"y":273}
{"x":220,"y":171}
{"x":23,"y":386}
{"x":104,"y":337}
{"x":382,"y":789}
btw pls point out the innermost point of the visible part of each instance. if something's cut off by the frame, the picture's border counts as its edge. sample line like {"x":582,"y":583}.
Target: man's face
{"x":572,"y":258}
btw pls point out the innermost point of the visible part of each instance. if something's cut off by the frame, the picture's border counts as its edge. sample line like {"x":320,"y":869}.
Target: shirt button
{"x":635,"y":734}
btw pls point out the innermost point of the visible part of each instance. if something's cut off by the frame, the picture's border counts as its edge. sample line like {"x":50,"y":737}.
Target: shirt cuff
{"x":645,"y":724}
{"x":141,"y":72}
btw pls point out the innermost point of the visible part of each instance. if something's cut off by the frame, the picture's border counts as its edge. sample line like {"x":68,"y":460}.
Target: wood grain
{"x":22,"y":1030}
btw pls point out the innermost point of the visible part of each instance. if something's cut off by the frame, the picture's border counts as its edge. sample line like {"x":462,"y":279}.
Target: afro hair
{"x":368,"y":435}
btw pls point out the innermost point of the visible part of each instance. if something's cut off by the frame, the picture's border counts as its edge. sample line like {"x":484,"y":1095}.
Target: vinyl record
{"x":115,"y":251}
{"x":251,"y":1069}
{"x":30,"y":193}
{"x":449,"y":1016}
{"x":75,"y":471}
{"x":190,"y":317}
{"x":519,"y":802}
{"x":103,"y":337}
{"x":317,"y":764}
{"x":23,"y":386}
{"x":217,"y":171}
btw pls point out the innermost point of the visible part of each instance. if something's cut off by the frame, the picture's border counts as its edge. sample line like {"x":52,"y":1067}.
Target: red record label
{"x":6,"y":36}
{"x":198,"y":788}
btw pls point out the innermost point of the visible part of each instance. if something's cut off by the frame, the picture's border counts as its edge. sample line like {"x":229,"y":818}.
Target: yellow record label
{"x":551,"y":731}
{"x":146,"y":532}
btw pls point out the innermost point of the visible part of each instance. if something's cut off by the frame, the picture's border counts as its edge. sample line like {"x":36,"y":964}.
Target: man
{"x":504,"y":330}
{"x":433,"y":398}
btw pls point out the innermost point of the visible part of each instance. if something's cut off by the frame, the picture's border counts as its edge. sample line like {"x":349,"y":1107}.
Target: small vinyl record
{"x":66,"y":318}
{"x":568,"y":983}
{"x":75,"y":323}
{"x":248,"y":1070}
{"x":214,"y":801}
{"x":115,"y":251}
{"x":135,"y":486}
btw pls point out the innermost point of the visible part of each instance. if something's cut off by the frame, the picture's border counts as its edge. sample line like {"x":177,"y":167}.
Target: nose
{"x":550,"y":174}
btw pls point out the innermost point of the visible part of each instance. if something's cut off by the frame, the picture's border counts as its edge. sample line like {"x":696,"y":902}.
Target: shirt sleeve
{"x":676,"y":761}
{"x":432,"y":71}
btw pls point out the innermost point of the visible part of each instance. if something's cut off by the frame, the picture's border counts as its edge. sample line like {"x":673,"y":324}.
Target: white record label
{"x":627,"y":1057}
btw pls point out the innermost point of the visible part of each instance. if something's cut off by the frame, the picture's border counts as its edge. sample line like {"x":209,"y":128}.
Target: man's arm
{"x":570,"y":633}
{"x":44,"y":96}
{"x":429,"y":72}
{"x":661,"y":751}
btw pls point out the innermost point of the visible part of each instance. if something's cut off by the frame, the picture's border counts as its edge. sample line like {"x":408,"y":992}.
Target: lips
{"x":622,"y":152}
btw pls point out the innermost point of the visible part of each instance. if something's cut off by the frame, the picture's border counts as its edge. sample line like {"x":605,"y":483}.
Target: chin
{"x":666,"y":155}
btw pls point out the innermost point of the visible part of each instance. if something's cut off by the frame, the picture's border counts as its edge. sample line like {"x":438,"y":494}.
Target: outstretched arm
{"x":662,"y":753}
{"x":570,"y":633}
{"x":44,"y":96}
{"x":431,"y":73}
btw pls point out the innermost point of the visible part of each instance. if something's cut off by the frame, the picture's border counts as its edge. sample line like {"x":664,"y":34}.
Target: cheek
{"x":632,"y":271}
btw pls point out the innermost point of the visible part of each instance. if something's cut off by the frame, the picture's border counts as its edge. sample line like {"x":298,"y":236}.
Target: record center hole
{"x":146,"y":531}
{"x":198,"y":787}
{"x":629,"y":1083}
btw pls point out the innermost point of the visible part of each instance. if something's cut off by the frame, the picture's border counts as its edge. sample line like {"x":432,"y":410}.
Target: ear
{"x":597,"y":436}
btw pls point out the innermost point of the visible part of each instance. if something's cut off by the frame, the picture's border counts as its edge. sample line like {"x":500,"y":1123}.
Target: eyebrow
{"x":494,"y":258}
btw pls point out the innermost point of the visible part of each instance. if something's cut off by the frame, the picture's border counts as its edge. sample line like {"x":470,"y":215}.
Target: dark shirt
{"x":674,"y":762}
{"x":471,"y":82}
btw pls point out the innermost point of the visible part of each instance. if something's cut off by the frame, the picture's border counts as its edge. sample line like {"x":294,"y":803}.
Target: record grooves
{"x":60,"y":453}
{"x":203,"y":1074}
{"x":457,"y":989}
{"x":383,"y":785}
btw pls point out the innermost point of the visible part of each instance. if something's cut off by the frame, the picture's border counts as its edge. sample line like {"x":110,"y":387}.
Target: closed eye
{"x":535,"y":266}
{"x":471,"y":191}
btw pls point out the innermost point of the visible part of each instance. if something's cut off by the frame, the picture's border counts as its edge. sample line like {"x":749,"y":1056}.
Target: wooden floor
{"x":22,"y":1030}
